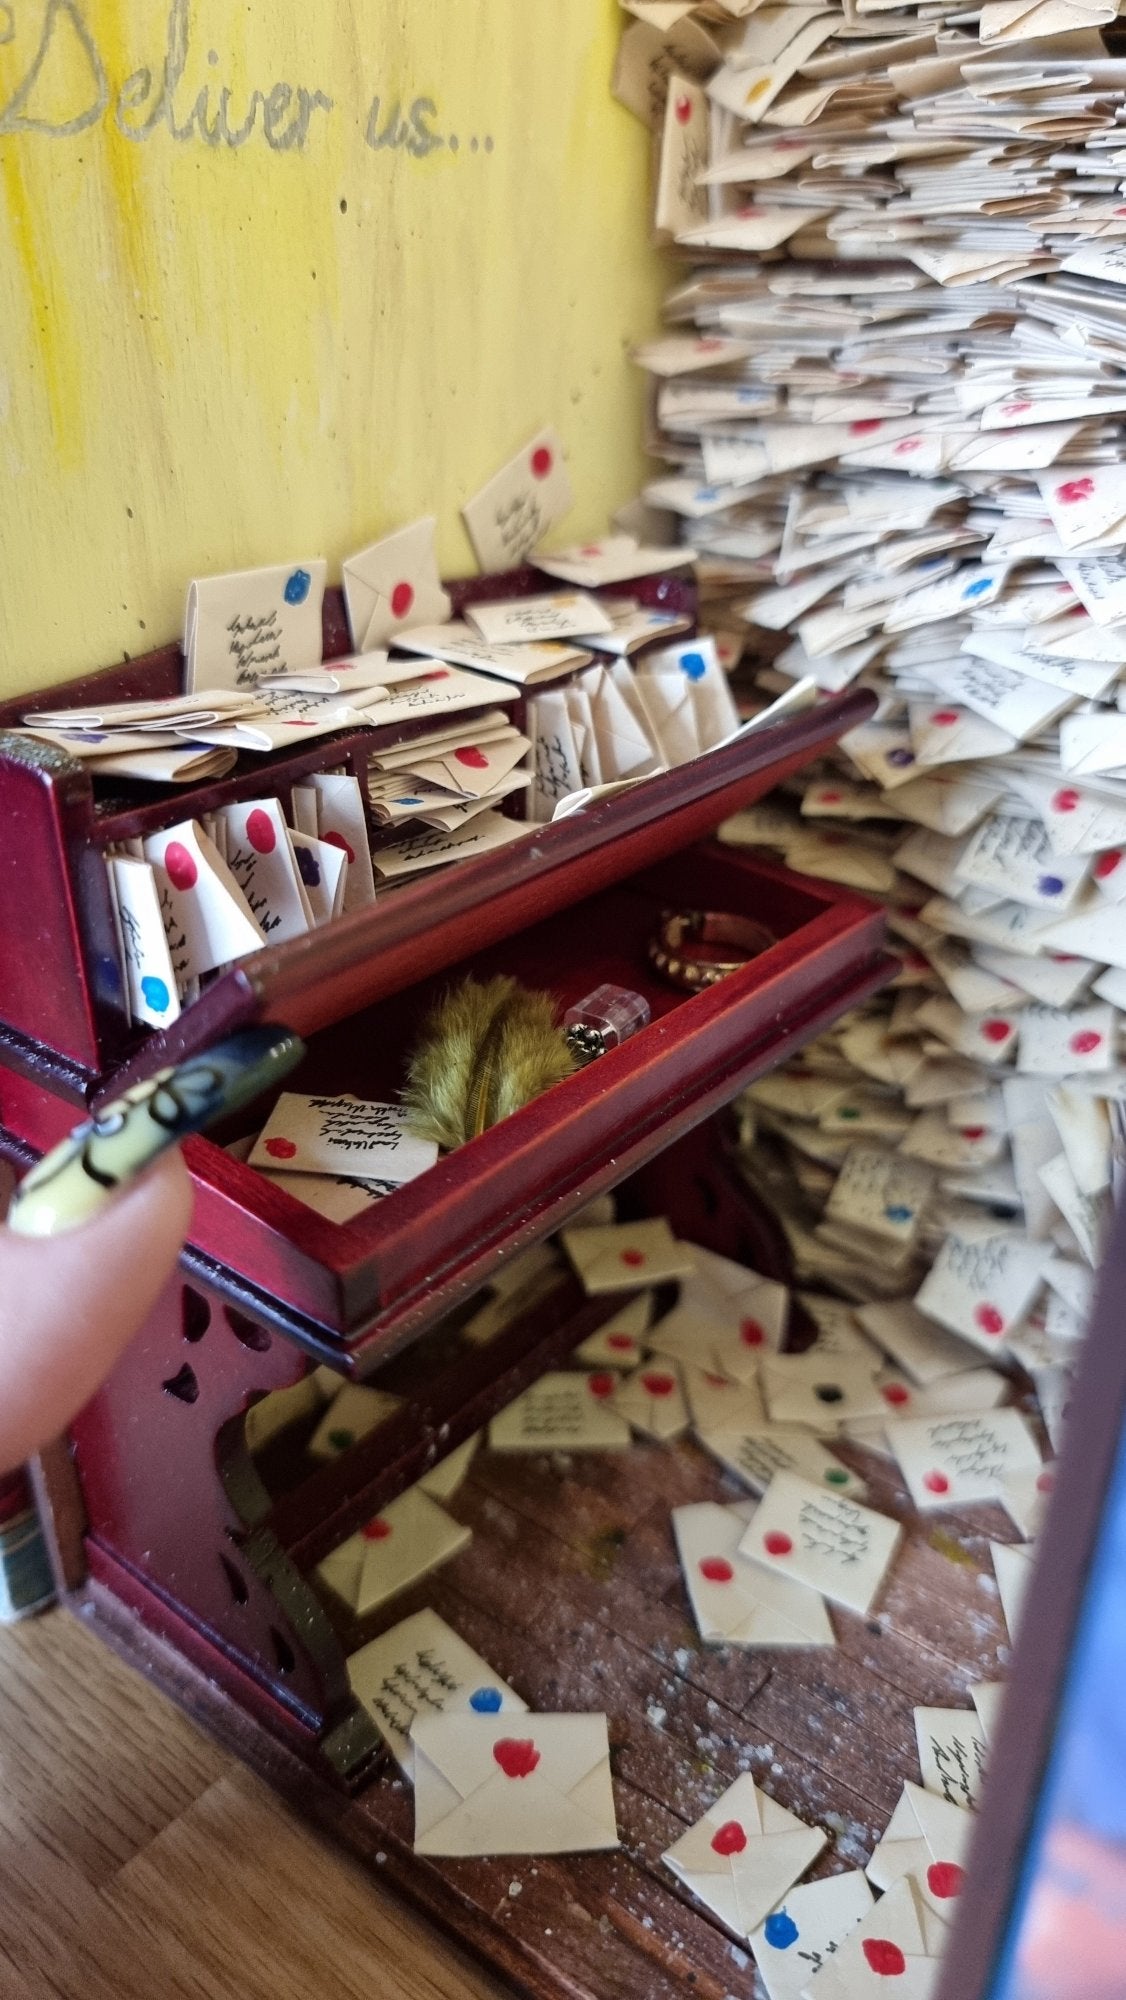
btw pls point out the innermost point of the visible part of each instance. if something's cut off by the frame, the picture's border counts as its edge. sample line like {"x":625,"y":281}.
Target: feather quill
{"x":488,"y":1048}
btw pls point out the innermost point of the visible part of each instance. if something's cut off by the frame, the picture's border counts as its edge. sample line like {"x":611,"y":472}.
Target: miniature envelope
{"x":682,"y":158}
{"x":442,"y":1482}
{"x":819,"y":1390}
{"x":422,"y":1668}
{"x":652,"y":1400}
{"x":337,"y":1200}
{"x":717,"y":1403}
{"x":620,"y":1340}
{"x":822,"y":1539}
{"x":756,"y":1454}
{"x":520,"y":504}
{"x":555,"y":753}
{"x":350,"y":673}
{"x":1059,"y":1042}
{"x":341,"y":1135}
{"x":406,"y":1541}
{"x":393,"y":583}
{"x":563,"y":1412}
{"x":887,"y":1952}
{"x":356,"y":1410}
{"x":1087,"y":504}
{"x":263,"y":863}
{"x":273,"y":1414}
{"x":1012,"y":1566}
{"x":959,"y":1461}
{"x":206,"y":917}
{"x":484,"y":1784}
{"x":476,"y":768}
{"x":803,"y":1933}
{"x":987,"y":1698}
{"x":150,"y":974}
{"x":323,"y":870}
{"x":613,"y":559}
{"x":696,"y":661}
{"x":927,"y":1838}
{"x":881,"y":1193}
{"x":981,"y":1286}
{"x":951,"y":1754}
{"x":736,"y":1602}
{"x":541,"y":660}
{"x":530,"y":620}
{"x":627,"y":746}
{"x":666,"y":694}
{"x":742,"y":1857}
{"x":626,"y":1255}
{"x":342,"y":822}
{"x":926,"y":1352}
{"x":256,"y":621}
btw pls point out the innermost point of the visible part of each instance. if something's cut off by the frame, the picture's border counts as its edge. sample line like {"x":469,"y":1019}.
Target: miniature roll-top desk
{"x":191,"y":1553}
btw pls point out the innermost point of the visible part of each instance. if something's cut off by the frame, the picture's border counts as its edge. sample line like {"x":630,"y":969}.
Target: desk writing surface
{"x":275,"y":279}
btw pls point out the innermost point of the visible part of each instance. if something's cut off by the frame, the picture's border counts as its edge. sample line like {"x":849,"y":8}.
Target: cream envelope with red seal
{"x":981,"y":1285}
{"x":801,"y":1936}
{"x":923,"y":1350}
{"x":742,"y":1857}
{"x":620,"y":1342}
{"x":201,"y":901}
{"x":443,"y":1480}
{"x":406,"y":1541}
{"x":626,"y":1255}
{"x":889,"y":1953}
{"x":341,"y":1135}
{"x":422,"y":1667}
{"x":563,"y":1412}
{"x":823,"y":1539}
{"x":928,"y":1839}
{"x":613,"y":559}
{"x":539,"y":660}
{"x":736,"y":1602}
{"x":652,"y":1400}
{"x":717,"y":1403}
{"x":520,"y":504}
{"x":492,"y":1784}
{"x":475,"y":768}
{"x":392,"y":583}
{"x":961,"y":1460}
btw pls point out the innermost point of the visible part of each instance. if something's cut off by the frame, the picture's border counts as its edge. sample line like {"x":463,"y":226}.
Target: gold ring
{"x":674,"y":949}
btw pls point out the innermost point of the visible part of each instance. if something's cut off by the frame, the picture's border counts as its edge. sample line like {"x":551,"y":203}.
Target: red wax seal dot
{"x":181,"y":869}
{"x":777,"y":1544}
{"x":601,"y":1386}
{"x":280,"y":1149}
{"x":945,"y":1879}
{"x":830,"y":798}
{"x":907,"y":444}
{"x":377,"y":1530}
{"x":729,"y":1838}
{"x":945,"y":717}
{"x":473,"y":759}
{"x":1104,"y":866}
{"x":338,"y":840}
{"x":658,"y":1385}
{"x":717,"y":1569}
{"x":1074,"y":490}
{"x":862,"y":425}
{"x":996,"y":1031}
{"x":895,"y":1394}
{"x":989,"y":1319}
{"x":717,"y":1382}
{"x":542,"y":461}
{"x":1085,"y":1042}
{"x":260,"y":832}
{"x":683,"y":110}
{"x":402,"y":597}
{"x":752,"y":1333}
{"x":1015,"y":409}
{"x":516,"y":1755}
{"x":936,"y":1482}
{"x":1066,"y":801}
{"x":973,"y":1132}
{"x":1045,"y":1483}
{"x":622,"y":1343}
{"x":884,"y":1957}
{"x":633,"y":1258}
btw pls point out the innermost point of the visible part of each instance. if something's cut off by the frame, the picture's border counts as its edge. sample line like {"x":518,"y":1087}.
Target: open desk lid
{"x":312,"y":981}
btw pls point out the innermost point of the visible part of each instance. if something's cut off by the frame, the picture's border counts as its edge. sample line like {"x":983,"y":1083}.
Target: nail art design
{"x":76,"y":1179}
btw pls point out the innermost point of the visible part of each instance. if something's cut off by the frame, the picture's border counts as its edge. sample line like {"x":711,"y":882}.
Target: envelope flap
{"x":945,"y":1827}
{"x":556,"y":1751}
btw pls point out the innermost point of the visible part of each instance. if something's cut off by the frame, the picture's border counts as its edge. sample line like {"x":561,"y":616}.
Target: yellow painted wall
{"x":214,"y":355}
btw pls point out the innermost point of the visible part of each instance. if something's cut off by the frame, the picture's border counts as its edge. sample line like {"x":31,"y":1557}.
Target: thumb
{"x":70,"y":1303}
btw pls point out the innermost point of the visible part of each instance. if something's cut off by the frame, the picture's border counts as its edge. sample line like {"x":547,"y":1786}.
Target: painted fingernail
{"x":77,"y":1179}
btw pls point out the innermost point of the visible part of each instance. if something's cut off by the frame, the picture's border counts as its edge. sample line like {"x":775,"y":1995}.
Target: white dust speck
{"x":380,"y":1859}
{"x":657,"y":1715}
{"x":514,"y":1888}
{"x":987,"y":1583}
{"x":741,"y":1958}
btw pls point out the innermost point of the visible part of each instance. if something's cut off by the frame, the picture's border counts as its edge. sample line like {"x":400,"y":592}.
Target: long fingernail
{"x":77,"y":1179}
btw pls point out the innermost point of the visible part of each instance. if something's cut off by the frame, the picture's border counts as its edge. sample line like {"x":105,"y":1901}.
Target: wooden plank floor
{"x":137,"y":1862}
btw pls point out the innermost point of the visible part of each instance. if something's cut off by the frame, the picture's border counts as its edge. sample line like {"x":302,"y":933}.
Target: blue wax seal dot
{"x":897,"y":1212}
{"x":780,"y":1931}
{"x":155,"y":993}
{"x":297,"y":586}
{"x":87,"y":736}
{"x":308,"y":867}
{"x":706,"y":493}
{"x":407,"y":802}
{"x":486,"y":1701}
{"x":694,"y":665}
{"x":1050,"y":885}
{"x":983,"y":583}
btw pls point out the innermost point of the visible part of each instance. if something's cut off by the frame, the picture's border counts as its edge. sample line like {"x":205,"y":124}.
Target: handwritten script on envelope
{"x":341,"y":1135}
{"x":422,"y":1668}
{"x":495,"y":1784}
